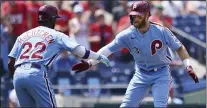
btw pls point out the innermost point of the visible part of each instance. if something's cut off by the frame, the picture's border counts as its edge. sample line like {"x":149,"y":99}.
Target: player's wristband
{"x":87,"y":53}
{"x":186,"y":62}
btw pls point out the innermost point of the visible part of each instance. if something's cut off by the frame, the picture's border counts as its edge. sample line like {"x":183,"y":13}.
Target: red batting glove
{"x":191,"y":72}
{"x":80,"y":67}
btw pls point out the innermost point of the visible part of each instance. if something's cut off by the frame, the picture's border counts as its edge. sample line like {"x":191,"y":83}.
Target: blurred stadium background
{"x":93,"y":24}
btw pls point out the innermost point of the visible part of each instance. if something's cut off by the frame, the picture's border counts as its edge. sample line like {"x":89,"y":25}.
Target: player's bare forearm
{"x":182,"y":52}
{"x":11,"y":67}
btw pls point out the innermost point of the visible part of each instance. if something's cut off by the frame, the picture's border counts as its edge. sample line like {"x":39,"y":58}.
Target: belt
{"x":31,"y":65}
{"x":152,"y":70}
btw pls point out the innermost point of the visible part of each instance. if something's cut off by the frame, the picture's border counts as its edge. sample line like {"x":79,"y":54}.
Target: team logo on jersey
{"x":156,"y":45}
{"x":136,"y":50}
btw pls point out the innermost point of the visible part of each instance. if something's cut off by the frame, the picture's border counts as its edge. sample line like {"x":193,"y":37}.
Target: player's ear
{"x":53,"y":20}
{"x":148,"y":15}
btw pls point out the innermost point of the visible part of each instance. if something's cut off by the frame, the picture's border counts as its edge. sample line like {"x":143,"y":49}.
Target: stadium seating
{"x":195,"y":26}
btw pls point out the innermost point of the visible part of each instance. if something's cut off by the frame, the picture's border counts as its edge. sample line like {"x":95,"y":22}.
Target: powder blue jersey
{"x":40,"y":45}
{"x":149,"y":50}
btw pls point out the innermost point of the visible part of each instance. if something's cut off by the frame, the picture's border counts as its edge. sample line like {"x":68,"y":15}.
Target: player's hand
{"x":80,"y":67}
{"x":83,"y":66}
{"x":191,"y":72}
{"x":103,"y":59}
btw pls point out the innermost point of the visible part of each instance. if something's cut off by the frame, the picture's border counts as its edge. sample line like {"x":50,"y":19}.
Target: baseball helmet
{"x":139,"y":8}
{"x":47,"y":12}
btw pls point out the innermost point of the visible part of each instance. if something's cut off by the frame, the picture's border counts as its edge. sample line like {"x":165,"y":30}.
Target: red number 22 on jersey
{"x":35,"y":54}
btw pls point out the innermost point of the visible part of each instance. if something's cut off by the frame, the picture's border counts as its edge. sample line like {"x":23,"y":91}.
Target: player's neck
{"x":47,"y":25}
{"x":145,"y":28}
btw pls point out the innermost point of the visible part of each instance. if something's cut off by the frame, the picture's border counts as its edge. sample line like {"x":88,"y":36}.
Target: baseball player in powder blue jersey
{"x":148,"y":43}
{"x":32,"y":55}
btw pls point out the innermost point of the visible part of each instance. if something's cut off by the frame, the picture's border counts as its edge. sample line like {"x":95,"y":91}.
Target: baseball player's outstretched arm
{"x":176,"y":45}
{"x":69,"y":44}
{"x":115,"y":45}
{"x":85,"y":65}
{"x":104,"y":51}
{"x":183,"y":54}
{"x":88,"y":54}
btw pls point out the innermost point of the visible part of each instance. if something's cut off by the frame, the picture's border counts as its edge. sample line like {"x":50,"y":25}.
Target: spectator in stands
{"x":33,"y":7}
{"x":62,"y":24}
{"x":13,"y":101}
{"x":195,"y":7}
{"x":16,"y":14}
{"x":100,"y":33}
{"x":79,"y":26}
{"x":173,"y":8}
{"x":109,"y":4}
{"x":124,"y":21}
{"x":91,"y":7}
{"x":120,"y":10}
{"x":158,"y":17}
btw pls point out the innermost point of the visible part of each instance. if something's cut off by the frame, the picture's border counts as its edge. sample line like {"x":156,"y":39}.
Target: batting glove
{"x":80,"y":67}
{"x":191,"y":72}
{"x":83,"y":66}
{"x":103,"y":59}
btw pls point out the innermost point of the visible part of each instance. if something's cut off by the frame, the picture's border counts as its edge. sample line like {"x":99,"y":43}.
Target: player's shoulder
{"x":157,"y":26}
{"x":161,"y":28}
{"x":59,"y":35}
{"x":125,"y":33}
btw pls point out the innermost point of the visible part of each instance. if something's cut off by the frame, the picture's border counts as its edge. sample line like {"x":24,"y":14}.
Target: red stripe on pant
{"x":170,"y":85}
{"x":48,"y":88}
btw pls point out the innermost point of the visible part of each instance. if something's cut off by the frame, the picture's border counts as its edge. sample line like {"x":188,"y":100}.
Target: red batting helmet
{"x":47,"y":12}
{"x":140,"y":7}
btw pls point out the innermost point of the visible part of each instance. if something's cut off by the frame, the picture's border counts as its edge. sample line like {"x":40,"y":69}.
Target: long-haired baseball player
{"x":34,"y":52}
{"x":148,"y":43}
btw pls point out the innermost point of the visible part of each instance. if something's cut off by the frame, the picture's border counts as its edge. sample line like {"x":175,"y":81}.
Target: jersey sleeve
{"x":171,"y":40}
{"x":67,"y":42}
{"x":15,"y":50}
{"x":117,"y":43}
